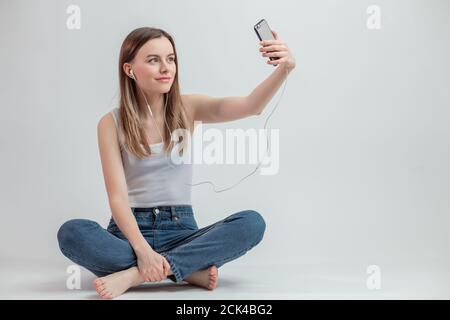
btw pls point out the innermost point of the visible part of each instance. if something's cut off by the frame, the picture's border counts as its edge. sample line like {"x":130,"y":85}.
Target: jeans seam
{"x":77,"y":260}
{"x":239,"y":253}
{"x":177,"y":273}
{"x":176,"y":249}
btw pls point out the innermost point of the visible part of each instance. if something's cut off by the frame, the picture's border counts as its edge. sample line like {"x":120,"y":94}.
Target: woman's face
{"x":153,"y":60}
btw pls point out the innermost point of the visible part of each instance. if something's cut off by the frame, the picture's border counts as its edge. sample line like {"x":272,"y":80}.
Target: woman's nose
{"x":163,"y":67}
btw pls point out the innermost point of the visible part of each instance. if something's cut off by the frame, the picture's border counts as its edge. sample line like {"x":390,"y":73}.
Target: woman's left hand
{"x":278,"y":48}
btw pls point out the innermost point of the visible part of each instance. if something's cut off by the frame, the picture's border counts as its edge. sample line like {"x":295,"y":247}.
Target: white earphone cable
{"x":259,"y":164}
{"x":208,"y":181}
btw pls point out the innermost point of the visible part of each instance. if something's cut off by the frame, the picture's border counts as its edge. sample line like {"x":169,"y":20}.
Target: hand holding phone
{"x":264,"y":32}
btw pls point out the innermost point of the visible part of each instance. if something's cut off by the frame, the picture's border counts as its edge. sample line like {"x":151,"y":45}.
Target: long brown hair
{"x":130,"y":114}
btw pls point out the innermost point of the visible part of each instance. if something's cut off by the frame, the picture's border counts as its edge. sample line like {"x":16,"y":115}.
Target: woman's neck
{"x":156,"y":102}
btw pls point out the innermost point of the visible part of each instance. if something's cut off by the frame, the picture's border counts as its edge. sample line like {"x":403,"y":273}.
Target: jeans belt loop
{"x":173,"y":213}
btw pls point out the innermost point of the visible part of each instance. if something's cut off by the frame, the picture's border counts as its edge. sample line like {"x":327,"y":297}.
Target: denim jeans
{"x":172,"y":231}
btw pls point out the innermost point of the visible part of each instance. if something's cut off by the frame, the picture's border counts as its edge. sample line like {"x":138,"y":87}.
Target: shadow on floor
{"x":87,"y":291}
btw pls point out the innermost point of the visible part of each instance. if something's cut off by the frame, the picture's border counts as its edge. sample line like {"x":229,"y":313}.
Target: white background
{"x":364,"y":132}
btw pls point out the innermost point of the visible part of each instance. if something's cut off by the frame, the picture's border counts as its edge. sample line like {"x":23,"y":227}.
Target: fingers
{"x":166,"y":267}
{"x":154,"y":275}
{"x":276,"y":54}
{"x":271,"y":42}
{"x":148,"y":276}
{"x":275,"y":47}
{"x":160,"y":274}
{"x":275,"y":35}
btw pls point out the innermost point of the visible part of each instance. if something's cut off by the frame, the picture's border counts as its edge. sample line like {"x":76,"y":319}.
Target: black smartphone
{"x":263,"y":32}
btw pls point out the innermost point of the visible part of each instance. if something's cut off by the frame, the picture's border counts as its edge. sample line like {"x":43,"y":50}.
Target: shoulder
{"x":108,"y":133}
{"x":107,"y":126}
{"x":107,"y":120}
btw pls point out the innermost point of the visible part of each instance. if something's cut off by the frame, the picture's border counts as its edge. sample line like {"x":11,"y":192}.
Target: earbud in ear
{"x":131,"y":75}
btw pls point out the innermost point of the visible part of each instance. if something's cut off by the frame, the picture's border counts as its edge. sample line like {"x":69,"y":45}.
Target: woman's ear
{"x":126,"y":68}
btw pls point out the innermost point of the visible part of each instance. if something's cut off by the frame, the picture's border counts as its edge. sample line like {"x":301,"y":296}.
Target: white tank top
{"x":154,"y":180}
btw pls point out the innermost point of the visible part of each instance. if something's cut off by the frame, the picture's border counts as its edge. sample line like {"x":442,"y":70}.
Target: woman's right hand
{"x":152,"y":266}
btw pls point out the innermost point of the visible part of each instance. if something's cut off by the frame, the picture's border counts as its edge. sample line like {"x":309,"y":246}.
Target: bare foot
{"x":206,"y":278}
{"x":113,"y":285}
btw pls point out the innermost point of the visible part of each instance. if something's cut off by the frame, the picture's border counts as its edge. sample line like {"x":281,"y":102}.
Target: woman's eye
{"x":171,"y":59}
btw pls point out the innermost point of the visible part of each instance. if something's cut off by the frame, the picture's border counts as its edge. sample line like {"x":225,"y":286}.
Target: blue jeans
{"x":172,"y":231}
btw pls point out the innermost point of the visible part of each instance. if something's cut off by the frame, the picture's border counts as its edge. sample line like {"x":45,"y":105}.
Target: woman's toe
{"x":98,"y":282}
{"x":100,"y":288}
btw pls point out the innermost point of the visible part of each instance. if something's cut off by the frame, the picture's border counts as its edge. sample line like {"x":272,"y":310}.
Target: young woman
{"x":152,"y":234}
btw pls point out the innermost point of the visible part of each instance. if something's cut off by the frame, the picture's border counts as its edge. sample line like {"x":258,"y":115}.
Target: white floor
{"x":32,"y":279}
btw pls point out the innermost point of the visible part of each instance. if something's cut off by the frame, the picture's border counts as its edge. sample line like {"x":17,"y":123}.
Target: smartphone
{"x":264,"y":33}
